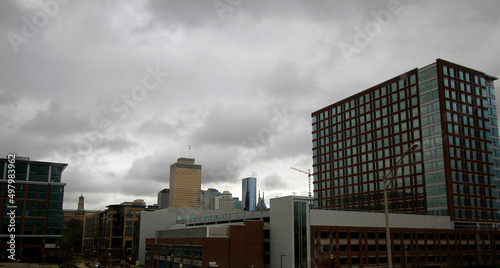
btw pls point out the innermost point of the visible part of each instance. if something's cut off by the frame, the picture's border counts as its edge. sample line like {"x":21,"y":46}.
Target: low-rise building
{"x":112,"y":230}
{"x":294,"y":235}
{"x":230,"y":245}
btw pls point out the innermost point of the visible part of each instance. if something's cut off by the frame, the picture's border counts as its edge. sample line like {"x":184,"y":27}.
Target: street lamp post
{"x":389,"y":176}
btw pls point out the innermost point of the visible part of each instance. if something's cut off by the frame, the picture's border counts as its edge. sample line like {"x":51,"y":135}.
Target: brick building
{"x":234,"y":245}
{"x":449,"y":109}
{"x":112,"y":230}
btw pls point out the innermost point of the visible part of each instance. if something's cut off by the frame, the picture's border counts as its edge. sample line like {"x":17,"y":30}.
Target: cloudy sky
{"x":120,"y":89}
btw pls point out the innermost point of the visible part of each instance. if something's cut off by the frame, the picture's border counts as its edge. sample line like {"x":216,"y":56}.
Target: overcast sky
{"x":120,"y":89}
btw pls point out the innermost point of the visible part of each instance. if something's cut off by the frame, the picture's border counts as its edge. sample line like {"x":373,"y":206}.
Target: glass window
{"x":412,"y":79}
{"x":187,"y":253}
{"x":197,"y":253}
{"x":55,"y":174}
{"x":21,"y":171}
{"x":178,"y":252}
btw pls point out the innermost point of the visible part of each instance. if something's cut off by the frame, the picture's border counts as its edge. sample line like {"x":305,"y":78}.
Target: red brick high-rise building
{"x":446,"y":108}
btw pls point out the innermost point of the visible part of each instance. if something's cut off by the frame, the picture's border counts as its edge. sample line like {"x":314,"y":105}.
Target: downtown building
{"x":163,"y":198}
{"x":185,"y":184}
{"x":292,"y":234}
{"x":249,"y":193}
{"x":111,"y":232}
{"x":39,"y":192}
{"x":449,"y":110}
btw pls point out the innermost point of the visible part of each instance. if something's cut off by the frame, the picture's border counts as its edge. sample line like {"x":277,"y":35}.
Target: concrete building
{"x":208,"y":198}
{"x":151,"y":222}
{"x":294,"y":235}
{"x":36,"y":198}
{"x":225,"y":201}
{"x":185,"y":184}
{"x":449,"y":110}
{"x":249,"y":193}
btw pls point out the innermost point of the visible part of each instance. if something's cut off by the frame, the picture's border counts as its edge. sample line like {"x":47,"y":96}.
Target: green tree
{"x":71,"y":234}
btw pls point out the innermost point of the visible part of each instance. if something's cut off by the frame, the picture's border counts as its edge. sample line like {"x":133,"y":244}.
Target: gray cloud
{"x":230,"y":74}
{"x":57,"y":122}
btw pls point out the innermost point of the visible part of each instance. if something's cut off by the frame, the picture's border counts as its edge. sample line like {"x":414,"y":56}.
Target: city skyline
{"x":119,"y":90}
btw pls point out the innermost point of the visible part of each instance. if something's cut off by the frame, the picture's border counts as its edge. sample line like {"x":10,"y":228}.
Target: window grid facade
{"x":449,"y":109}
{"x":366,"y":246}
{"x":468,"y":143}
{"x":355,"y":143}
{"x":38,"y":204}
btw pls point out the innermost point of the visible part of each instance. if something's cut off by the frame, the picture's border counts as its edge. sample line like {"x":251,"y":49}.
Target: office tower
{"x":224,"y":201}
{"x":209,"y":197}
{"x":163,"y":198}
{"x":185,"y":184}
{"x":36,"y":205}
{"x":249,"y":193}
{"x":237,"y":204}
{"x":449,"y":110}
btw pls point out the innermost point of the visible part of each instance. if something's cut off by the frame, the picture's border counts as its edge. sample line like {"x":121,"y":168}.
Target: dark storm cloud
{"x":154,"y":167}
{"x":273,"y":182}
{"x":286,"y":82}
{"x":115,"y":145}
{"x":57,"y":122}
{"x":231,"y":125}
{"x":8,"y":99}
{"x":220,"y":163}
{"x":218,"y":13}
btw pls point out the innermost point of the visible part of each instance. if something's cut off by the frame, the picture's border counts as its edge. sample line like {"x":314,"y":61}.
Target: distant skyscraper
{"x":261,"y":205}
{"x":449,"y":109}
{"x":208,"y":198}
{"x":224,"y":201}
{"x":249,"y":193}
{"x":163,"y":198}
{"x":185,"y":184}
